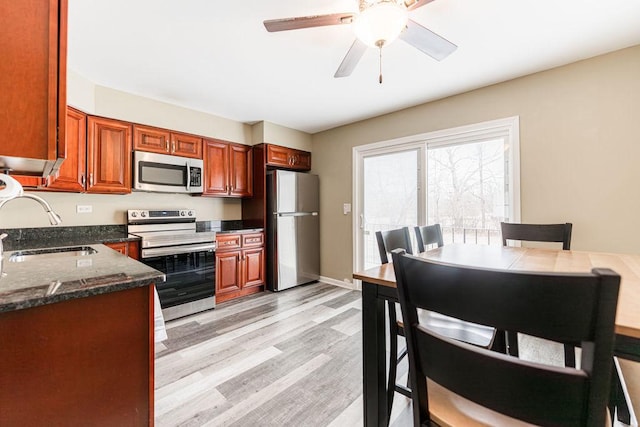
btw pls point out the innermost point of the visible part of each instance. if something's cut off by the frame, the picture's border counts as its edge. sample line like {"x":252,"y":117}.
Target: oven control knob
{"x":181,"y":213}
{"x":143,"y":214}
{"x":134,"y":214}
{"x":190,"y":213}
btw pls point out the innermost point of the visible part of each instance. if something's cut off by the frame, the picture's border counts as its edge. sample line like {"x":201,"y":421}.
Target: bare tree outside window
{"x":466,"y":191}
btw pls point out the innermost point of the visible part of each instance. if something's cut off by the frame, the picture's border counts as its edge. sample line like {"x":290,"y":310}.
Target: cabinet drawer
{"x":252,"y":240}
{"x":227,"y":241}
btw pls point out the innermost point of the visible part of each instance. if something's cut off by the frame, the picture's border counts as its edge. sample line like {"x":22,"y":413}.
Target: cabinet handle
{"x":173,"y":147}
{"x":83,"y":179}
{"x":91,"y":180}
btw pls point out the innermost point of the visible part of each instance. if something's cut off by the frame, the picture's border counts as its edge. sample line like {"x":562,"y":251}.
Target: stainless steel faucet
{"x":54,"y":218}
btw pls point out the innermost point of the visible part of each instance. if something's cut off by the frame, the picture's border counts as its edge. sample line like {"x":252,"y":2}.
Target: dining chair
{"x":456,"y":384}
{"x":428,"y":235}
{"x":475,"y":334}
{"x":550,"y":233}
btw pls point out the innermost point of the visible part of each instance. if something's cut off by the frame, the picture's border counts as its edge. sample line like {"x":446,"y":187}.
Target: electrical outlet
{"x":84,"y":208}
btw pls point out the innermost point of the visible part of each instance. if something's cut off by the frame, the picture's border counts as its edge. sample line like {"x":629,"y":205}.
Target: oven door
{"x":189,"y":277}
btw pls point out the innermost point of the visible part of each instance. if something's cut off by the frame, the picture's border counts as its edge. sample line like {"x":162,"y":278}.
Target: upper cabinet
{"x":72,"y":175}
{"x":156,"y":140}
{"x":33,"y":42}
{"x":98,"y":156}
{"x":108,"y":155}
{"x":228,"y":169}
{"x":288,"y":158}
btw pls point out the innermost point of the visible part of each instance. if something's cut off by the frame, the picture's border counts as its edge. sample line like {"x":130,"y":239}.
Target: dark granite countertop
{"x":52,"y":237}
{"x":54,"y":277}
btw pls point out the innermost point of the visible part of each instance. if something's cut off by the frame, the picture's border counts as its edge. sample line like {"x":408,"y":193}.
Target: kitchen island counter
{"x":60,"y":276}
{"x":77,"y":334}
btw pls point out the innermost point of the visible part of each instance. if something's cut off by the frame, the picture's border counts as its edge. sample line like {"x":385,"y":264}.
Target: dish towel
{"x":158,"y":318}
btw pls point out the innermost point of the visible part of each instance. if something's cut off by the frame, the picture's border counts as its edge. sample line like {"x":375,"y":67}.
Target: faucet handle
{"x":3,"y":235}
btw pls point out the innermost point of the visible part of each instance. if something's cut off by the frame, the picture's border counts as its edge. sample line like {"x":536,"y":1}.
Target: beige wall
{"x":110,"y":209}
{"x":579,"y":149}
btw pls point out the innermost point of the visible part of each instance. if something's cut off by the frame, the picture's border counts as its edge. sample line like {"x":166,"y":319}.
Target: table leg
{"x":373,"y":357}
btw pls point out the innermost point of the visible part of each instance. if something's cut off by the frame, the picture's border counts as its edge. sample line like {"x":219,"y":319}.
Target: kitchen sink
{"x":22,"y":256}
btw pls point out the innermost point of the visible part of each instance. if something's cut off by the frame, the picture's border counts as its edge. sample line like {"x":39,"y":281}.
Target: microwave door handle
{"x":188,"y":176}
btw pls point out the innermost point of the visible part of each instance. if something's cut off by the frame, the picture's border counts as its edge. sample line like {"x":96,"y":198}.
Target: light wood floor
{"x":292,"y":358}
{"x":274,"y":359}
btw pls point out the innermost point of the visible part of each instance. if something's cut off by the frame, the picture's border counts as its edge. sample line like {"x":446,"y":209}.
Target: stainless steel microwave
{"x":167,"y":174}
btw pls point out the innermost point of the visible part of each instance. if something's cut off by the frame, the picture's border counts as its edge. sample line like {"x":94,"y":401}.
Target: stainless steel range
{"x":171,"y":244}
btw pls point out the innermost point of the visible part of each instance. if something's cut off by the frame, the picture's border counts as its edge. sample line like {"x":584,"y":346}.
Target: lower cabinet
{"x":240,"y":265}
{"x":86,"y":361}
{"x":130,"y":249}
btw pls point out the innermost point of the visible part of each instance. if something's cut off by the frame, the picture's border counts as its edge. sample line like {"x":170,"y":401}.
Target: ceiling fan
{"x":378,"y":23}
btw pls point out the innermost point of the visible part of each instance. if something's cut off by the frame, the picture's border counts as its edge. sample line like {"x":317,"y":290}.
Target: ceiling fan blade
{"x":351,"y":59}
{"x":308,"y":22}
{"x":427,"y":41}
{"x":414,"y":4}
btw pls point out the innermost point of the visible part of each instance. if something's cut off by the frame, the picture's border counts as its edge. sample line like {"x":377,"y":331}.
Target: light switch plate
{"x":84,"y":208}
{"x":346,"y":208}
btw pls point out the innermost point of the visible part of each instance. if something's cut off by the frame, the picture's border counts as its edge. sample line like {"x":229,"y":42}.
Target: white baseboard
{"x":342,"y":283}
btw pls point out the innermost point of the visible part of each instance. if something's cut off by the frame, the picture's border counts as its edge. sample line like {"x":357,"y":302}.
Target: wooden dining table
{"x":379,"y":285}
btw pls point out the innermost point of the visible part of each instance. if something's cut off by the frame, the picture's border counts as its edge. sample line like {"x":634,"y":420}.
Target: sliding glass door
{"x":465,"y":179}
{"x":390,"y":199}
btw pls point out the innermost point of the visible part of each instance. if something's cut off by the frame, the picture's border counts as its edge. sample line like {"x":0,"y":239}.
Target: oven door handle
{"x":174,"y":250}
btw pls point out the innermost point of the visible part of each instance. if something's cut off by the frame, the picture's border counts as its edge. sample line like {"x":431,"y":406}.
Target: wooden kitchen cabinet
{"x":240,"y":265}
{"x":163,"y":141}
{"x":130,"y":249}
{"x":86,"y":361}
{"x":228,"y":169}
{"x":108,"y":156}
{"x":33,"y":42}
{"x":288,"y":158}
{"x":73,"y":172}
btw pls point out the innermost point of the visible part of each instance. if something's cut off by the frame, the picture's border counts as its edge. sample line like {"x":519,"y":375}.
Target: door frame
{"x":508,"y":128}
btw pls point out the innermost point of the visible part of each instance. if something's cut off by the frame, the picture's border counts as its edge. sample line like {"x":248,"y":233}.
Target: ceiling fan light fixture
{"x":380,"y":23}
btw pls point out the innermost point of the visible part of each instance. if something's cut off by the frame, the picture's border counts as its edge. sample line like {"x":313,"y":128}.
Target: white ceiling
{"x":216,"y":56}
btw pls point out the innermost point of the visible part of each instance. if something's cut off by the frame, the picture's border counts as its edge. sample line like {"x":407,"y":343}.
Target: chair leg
{"x":393,"y":356}
{"x":512,"y":343}
{"x":569,"y":356}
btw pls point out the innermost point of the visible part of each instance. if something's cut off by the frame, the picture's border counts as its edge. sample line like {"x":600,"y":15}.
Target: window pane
{"x":467,"y":191}
{"x":390,"y":197}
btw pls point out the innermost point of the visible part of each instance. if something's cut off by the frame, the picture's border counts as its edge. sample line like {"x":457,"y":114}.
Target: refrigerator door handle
{"x":282,"y":214}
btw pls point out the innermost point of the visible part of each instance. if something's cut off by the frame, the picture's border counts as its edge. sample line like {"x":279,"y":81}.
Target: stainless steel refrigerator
{"x":293,"y":229}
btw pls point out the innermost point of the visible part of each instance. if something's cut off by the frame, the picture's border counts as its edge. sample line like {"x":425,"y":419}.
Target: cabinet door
{"x":216,"y":168}
{"x":241,"y":166}
{"x":278,"y":156}
{"x":72,"y":173}
{"x":33,"y":41}
{"x":108,"y":155}
{"x":253,"y":267}
{"x":155,"y":140}
{"x":227,"y":272}
{"x":186,"y":145}
{"x":302,"y":160}
{"x":118,"y":246}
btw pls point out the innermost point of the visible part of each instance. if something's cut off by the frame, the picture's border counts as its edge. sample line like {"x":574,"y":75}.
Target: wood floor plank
{"x":266,"y":394}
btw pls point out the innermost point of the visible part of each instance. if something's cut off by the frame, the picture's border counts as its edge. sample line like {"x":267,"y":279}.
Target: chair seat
{"x":450,"y":409}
